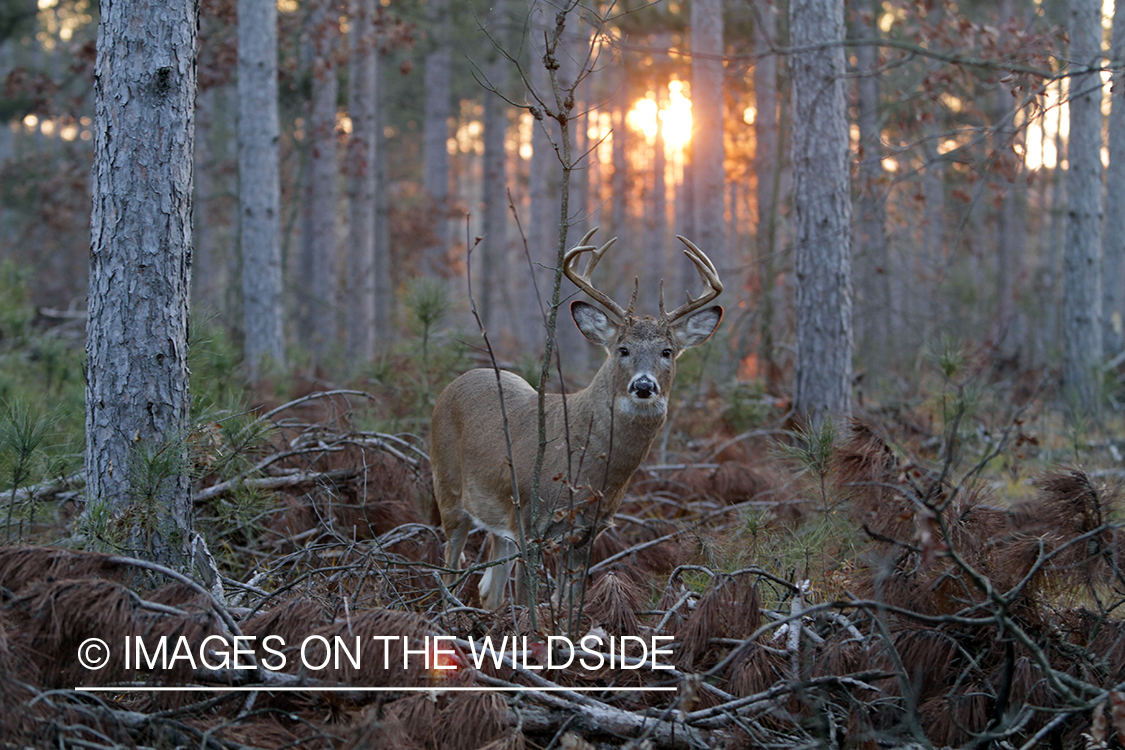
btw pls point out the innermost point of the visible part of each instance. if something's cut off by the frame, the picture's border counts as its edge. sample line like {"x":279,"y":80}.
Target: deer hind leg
{"x":457,"y":530}
{"x":495,"y":579}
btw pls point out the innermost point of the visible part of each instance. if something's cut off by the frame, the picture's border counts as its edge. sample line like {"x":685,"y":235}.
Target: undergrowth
{"x":947,"y":502}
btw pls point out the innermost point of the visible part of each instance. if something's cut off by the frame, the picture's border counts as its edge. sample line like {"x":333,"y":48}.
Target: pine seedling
{"x":22,"y":433}
{"x":428,"y":303}
{"x":154,"y":470}
{"x":812,"y":448}
{"x":949,"y":357}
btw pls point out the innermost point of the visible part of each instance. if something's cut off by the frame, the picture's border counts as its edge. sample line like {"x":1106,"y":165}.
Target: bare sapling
{"x":596,"y":438}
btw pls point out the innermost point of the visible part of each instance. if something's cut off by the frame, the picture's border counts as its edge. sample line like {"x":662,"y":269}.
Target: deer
{"x":596,"y":437}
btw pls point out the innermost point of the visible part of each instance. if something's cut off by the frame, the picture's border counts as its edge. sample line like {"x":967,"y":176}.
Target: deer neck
{"x":615,"y":426}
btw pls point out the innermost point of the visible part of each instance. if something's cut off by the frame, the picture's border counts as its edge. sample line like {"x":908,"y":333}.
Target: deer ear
{"x":594,"y":324}
{"x":696,"y":328}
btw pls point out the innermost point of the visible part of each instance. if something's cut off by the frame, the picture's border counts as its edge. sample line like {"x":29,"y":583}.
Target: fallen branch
{"x":320,"y":478}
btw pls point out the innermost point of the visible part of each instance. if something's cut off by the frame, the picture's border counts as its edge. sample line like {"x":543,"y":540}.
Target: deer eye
{"x":666,"y":353}
{"x":624,"y":351}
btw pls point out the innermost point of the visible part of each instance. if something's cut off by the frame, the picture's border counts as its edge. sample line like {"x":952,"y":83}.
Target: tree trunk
{"x":259,"y":189}
{"x":207,"y":282}
{"x":319,"y":247}
{"x":1113,"y":242}
{"x":823,"y":210}
{"x":708,"y":152}
{"x":491,"y":273}
{"x":137,"y":404}
{"x":542,"y":221}
{"x":1010,"y":229}
{"x":871,"y":234}
{"x":767,"y":156}
{"x":384,"y":279}
{"x":1053,"y":264}
{"x":656,"y":240}
{"x":1082,"y":249}
{"x":361,"y":172}
{"x":619,"y":184}
{"x":435,"y":175}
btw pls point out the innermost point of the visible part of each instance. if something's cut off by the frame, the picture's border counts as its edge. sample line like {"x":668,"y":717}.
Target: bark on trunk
{"x":823,"y":209}
{"x":767,"y":156}
{"x":259,"y":188}
{"x":1082,"y":250}
{"x":435,"y":176}
{"x":322,"y":277}
{"x":137,"y":404}
{"x":361,"y":171}
{"x":1113,"y":244}
{"x":708,"y":152}
{"x":1011,"y":232}
{"x":657,"y":248}
{"x":488,"y":282}
{"x":543,"y":212}
{"x":871,"y":231}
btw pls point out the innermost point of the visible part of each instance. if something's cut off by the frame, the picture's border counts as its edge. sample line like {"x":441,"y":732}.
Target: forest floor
{"x":943,"y":573}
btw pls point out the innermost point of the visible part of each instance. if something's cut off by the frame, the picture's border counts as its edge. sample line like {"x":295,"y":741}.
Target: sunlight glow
{"x":677,"y":116}
{"x":643,"y":117}
{"x":59,"y":22}
{"x":674,"y":114}
{"x":1042,"y":130}
{"x":1051,"y":122}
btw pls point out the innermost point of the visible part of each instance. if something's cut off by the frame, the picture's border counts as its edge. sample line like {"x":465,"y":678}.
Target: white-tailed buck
{"x":596,"y":438}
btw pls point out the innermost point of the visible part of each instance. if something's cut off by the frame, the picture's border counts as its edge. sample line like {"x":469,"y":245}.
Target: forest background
{"x":958,"y":157}
{"x":984,"y":255}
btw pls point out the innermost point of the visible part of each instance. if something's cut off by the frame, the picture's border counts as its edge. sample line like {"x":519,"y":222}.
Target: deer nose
{"x":643,"y":387}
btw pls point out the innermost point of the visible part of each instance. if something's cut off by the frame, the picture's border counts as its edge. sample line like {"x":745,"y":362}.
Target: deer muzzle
{"x":644,"y":387}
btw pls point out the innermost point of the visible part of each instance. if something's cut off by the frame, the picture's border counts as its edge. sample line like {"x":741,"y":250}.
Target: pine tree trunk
{"x":435,"y":175}
{"x":871,"y":234}
{"x":491,"y":266}
{"x":708,"y":152}
{"x":916,"y":306}
{"x":767,"y":156}
{"x":206,"y":282}
{"x":137,"y":404}
{"x":1011,"y":232}
{"x":361,"y":171}
{"x":1082,"y":249}
{"x":322,"y":278}
{"x":656,"y":234}
{"x":1053,"y":263}
{"x":823,"y":210}
{"x":1113,"y":242}
{"x":384,"y":279}
{"x":619,"y":181}
{"x":259,"y":188}
{"x":542,"y":220}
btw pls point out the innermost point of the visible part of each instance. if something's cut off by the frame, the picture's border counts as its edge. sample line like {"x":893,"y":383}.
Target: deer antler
{"x":582,"y":281}
{"x":710,"y":277}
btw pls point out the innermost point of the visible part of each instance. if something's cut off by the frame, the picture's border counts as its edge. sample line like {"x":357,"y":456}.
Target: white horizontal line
{"x":343,"y":689}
